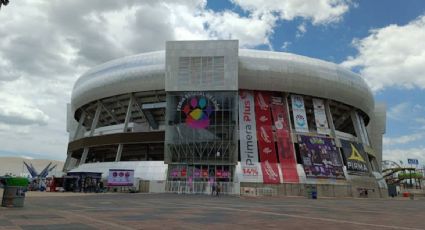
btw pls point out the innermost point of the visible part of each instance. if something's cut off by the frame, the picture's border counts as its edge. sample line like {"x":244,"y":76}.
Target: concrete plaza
{"x":173,"y":211}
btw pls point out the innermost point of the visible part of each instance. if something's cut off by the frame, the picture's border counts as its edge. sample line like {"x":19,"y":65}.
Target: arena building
{"x":207,"y":111}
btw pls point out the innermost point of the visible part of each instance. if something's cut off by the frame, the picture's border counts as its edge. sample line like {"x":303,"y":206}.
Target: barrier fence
{"x":253,"y":189}
{"x":185,"y":187}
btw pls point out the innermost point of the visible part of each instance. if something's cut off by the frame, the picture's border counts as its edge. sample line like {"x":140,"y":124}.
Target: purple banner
{"x":320,"y":157}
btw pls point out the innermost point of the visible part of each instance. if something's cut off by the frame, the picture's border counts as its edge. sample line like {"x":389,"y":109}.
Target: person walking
{"x":213,"y":189}
{"x":218,"y":188}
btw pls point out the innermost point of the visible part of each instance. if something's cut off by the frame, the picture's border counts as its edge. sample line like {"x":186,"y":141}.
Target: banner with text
{"x":248,"y":138}
{"x":266,"y":145}
{"x":357,"y":160}
{"x":121,"y":177}
{"x":320,"y":116}
{"x":298,"y":111}
{"x":285,"y":147}
{"x":320,"y":157}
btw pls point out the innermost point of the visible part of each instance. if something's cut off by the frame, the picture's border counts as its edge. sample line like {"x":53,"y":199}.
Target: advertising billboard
{"x":121,"y":177}
{"x":357,"y":161}
{"x":412,"y":161}
{"x":320,"y":157}
{"x":248,"y":138}
{"x":320,"y":116}
{"x":266,"y":144}
{"x":298,"y":111}
{"x":285,"y":147}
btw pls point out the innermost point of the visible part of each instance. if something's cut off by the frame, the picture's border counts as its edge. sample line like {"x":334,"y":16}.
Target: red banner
{"x":265,"y":138}
{"x":285,"y":147}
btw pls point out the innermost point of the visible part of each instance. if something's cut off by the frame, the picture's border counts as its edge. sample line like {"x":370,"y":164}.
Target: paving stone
{"x":72,"y":226}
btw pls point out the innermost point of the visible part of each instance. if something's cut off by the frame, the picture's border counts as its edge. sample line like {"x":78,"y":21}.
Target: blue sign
{"x":412,"y":161}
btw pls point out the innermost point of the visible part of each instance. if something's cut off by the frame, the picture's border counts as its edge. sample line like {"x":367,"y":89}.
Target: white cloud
{"x":399,"y":111}
{"x":392,"y":56}
{"x":286,"y":45}
{"x":388,"y":141}
{"x":318,"y":11}
{"x":45,"y":45}
{"x":301,"y":30}
{"x":399,"y":154}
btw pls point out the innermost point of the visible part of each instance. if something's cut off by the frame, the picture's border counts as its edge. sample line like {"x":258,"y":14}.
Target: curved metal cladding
{"x":142,"y":72}
{"x":284,"y":72}
{"x":258,"y":70}
{"x":128,"y":99}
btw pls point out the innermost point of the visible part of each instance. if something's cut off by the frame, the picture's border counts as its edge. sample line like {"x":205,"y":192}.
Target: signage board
{"x":412,"y":161}
{"x":121,"y":177}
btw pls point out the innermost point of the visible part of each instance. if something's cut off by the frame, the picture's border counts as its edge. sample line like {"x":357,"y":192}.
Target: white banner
{"x":298,"y":110}
{"x":248,"y":138}
{"x":121,"y":177}
{"x":320,"y":116}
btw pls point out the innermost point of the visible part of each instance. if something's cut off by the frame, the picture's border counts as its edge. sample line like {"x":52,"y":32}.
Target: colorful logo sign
{"x":197,"y":106}
{"x":355,"y":155}
{"x":298,"y":102}
{"x":300,"y":119}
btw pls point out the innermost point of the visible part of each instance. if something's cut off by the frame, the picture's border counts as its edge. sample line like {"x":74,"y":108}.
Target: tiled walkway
{"x":172,"y":211}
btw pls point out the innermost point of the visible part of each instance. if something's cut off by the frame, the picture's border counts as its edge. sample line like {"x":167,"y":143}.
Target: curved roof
{"x":258,"y":70}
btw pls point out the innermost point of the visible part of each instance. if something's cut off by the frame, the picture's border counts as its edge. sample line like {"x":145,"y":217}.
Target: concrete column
{"x":127,"y":119}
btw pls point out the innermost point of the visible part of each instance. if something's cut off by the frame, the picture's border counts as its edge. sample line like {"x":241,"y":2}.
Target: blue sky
{"x":51,"y":43}
{"x":334,"y":43}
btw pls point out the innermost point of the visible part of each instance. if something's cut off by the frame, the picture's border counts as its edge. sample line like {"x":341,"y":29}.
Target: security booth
{"x":14,"y":191}
{"x":85,"y":181}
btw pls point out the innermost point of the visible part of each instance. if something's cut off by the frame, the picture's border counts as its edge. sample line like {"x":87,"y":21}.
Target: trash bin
{"x":14,"y":192}
{"x":314,"y":194}
{"x":311,"y":191}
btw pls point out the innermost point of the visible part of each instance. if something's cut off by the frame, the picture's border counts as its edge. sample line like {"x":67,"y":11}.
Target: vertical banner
{"x":320,"y":116}
{"x":285,"y":147}
{"x":357,"y":161}
{"x":248,"y":138}
{"x":298,"y":111}
{"x":265,"y":138}
{"x":320,"y":157}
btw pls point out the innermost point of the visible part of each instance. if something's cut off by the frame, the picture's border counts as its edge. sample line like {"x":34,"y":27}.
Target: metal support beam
{"x":330,"y":118}
{"x":288,"y":114}
{"x":128,"y":114}
{"x":68,"y":159}
{"x":150,"y":118}
{"x":110,"y":113}
{"x":144,"y":110}
{"x":127,"y":119}
{"x":80,"y":123}
{"x":119,"y":152}
{"x":95,"y":119}
{"x":84,"y":156}
{"x":138,"y":107}
{"x":93,"y":127}
{"x":356,"y":124}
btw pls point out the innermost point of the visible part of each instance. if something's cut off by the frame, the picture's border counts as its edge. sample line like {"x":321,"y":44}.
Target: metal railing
{"x":185,"y":187}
